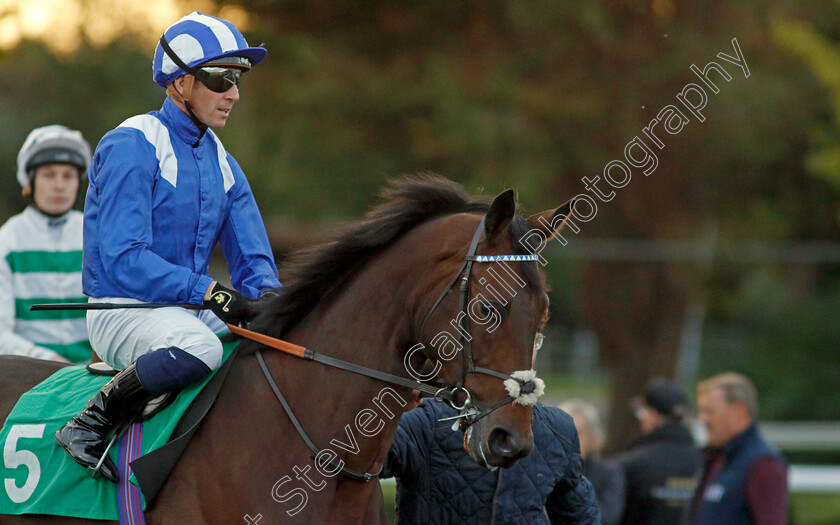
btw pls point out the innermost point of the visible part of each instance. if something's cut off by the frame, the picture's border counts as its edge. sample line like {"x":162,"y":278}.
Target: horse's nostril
{"x":502,"y":443}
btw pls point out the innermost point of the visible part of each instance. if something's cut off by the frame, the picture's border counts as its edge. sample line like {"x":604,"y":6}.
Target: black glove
{"x":230,"y":306}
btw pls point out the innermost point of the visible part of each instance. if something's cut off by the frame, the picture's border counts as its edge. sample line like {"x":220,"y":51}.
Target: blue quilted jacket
{"x":439,"y":484}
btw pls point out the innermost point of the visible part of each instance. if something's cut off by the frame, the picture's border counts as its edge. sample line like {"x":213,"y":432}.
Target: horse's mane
{"x":312,"y":275}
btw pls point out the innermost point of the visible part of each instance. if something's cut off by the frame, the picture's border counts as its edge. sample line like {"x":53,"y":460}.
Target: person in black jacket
{"x":437,"y":482}
{"x":661,"y":468}
{"x":605,"y":475}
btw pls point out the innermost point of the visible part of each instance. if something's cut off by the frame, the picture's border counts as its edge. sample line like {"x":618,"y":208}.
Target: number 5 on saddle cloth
{"x":40,"y":478}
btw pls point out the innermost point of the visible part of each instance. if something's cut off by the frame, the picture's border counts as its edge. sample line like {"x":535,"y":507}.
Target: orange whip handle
{"x":283,"y":346}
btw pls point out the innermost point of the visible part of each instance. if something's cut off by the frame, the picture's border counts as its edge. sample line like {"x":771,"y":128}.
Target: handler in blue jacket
{"x":437,"y":482}
{"x":163,"y":192}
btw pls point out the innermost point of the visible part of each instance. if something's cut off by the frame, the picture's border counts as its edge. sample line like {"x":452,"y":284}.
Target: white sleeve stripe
{"x":158,"y":136}
{"x":227,"y":173}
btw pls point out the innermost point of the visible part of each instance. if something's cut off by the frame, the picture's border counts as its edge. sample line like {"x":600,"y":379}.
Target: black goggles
{"x":218,"y":79}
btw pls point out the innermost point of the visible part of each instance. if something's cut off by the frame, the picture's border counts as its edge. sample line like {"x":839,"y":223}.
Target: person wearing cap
{"x":163,"y":192}
{"x":661,"y":467}
{"x":604,"y":474}
{"x":41,"y":250}
{"x":744,"y":480}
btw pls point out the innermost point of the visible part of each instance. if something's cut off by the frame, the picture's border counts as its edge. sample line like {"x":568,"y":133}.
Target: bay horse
{"x":382,"y":295}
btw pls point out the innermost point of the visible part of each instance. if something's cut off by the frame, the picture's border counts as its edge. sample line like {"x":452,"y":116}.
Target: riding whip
{"x":111,"y":306}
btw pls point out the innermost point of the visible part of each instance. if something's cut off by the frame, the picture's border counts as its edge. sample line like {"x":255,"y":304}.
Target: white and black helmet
{"x":55,"y":144}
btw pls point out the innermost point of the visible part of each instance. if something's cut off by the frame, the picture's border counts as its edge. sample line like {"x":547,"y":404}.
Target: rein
{"x":310,"y":355}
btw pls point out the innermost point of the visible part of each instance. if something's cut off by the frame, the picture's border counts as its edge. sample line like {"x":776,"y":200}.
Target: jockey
{"x":41,"y":249}
{"x":163,"y":192}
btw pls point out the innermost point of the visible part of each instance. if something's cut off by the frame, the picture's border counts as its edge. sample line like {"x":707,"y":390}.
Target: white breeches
{"x":121,"y":336}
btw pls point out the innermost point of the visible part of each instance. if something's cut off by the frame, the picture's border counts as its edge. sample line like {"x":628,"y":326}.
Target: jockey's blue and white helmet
{"x":196,"y":39}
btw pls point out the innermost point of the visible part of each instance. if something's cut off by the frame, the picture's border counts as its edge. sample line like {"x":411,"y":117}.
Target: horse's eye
{"x":493,"y":308}
{"x":538,"y":341}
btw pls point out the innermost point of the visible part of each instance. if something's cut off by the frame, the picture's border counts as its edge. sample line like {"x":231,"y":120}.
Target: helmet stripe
{"x":225,"y":37}
{"x":186,"y":47}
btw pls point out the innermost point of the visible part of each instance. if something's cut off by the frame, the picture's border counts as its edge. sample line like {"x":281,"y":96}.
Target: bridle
{"x":468,"y":412}
{"x":523,"y":386}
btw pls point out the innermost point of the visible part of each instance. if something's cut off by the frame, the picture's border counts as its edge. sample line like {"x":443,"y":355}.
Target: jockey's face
{"x":56,"y":187}
{"x":211,"y":108}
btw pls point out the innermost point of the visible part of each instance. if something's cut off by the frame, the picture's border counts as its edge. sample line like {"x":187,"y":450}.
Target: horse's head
{"x":479,"y":324}
{"x":419,"y":276}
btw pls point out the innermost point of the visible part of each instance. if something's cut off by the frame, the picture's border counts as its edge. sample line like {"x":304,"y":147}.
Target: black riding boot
{"x":85,"y":437}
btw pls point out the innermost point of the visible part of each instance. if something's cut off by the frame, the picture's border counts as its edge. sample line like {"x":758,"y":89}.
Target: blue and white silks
{"x":158,"y":202}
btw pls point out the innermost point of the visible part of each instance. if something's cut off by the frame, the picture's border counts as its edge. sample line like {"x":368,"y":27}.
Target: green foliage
{"x":785,"y":340}
{"x":341,"y":124}
{"x":822,"y":54}
{"x":815,"y":509}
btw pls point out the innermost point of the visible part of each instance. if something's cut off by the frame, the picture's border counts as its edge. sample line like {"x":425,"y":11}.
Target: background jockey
{"x":163,"y":192}
{"x":41,"y":250}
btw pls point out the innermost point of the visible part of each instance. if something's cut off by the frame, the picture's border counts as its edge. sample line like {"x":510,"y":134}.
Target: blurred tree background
{"x":724,"y":258}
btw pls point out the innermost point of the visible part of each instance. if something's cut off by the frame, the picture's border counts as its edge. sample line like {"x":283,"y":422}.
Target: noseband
{"x":523,"y":386}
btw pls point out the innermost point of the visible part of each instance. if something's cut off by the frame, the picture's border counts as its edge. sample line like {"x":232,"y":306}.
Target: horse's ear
{"x":500,"y":214}
{"x":552,"y":221}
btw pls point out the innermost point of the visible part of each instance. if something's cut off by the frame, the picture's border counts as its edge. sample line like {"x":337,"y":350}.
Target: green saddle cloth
{"x":39,"y":477}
